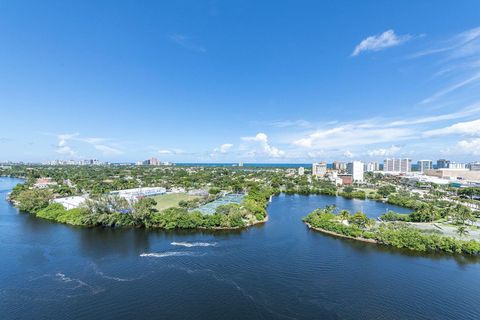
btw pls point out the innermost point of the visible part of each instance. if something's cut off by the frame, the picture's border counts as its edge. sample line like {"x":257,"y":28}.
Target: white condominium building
{"x":356,"y":169}
{"x":397,"y":165}
{"x":372,"y":166}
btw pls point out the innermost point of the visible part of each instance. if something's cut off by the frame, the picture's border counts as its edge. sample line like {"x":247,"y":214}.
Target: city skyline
{"x":79,"y":84}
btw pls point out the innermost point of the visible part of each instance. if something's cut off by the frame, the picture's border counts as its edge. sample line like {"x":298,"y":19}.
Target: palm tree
{"x":344,"y":215}
{"x":462,"y":231}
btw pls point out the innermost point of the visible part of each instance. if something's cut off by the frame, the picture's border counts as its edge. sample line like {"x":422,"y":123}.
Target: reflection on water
{"x":277,"y":270}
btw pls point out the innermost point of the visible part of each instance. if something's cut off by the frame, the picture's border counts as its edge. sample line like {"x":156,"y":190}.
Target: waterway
{"x":278,"y":270}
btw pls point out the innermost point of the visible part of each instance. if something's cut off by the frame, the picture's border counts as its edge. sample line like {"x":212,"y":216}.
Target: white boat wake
{"x":194,"y":244}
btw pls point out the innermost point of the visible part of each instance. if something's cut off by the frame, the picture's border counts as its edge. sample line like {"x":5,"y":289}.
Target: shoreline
{"x":341,"y":235}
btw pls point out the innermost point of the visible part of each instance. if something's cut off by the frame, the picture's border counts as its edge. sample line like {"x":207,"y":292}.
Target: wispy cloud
{"x":107,"y":150}
{"x":348,"y":135}
{"x":459,"y":59}
{"x":451,"y":88}
{"x":186,"y":42}
{"x":290,"y":123}
{"x":64,"y":147}
{"x":458,"y":45}
{"x":379,"y":42}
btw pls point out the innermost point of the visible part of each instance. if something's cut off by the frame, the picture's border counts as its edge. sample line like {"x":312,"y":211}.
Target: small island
{"x":397,"y":230}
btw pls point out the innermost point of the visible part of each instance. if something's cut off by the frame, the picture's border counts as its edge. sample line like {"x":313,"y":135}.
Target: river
{"x":279,"y":270}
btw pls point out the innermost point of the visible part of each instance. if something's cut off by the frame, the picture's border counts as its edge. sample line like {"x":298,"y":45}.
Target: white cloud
{"x":186,"y":42}
{"x":65,"y":150}
{"x":165,"y":152}
{"x":63,"y":138}
{"x":224,"y":148}
{"x":266,"y":149}
{"x":383,"y":152}
{"x":379,"y":42}
{"x":466,"y":128}
{"x":348,"y":154}
{"x":62,"y":147}
{"x":470,"y":146}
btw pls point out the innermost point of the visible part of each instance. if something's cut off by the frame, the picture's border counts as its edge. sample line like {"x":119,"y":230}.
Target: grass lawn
{"x":165,"y":201}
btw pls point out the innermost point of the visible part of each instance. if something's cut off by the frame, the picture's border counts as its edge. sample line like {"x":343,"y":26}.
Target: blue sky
{"x":217,"y":81}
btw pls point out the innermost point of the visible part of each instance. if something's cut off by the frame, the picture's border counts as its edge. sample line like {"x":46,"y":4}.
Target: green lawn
{"x":165,"y":201}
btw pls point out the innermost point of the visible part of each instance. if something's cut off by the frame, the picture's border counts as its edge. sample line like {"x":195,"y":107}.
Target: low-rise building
{"x":301,"y":171}
{"x":457,"y":174}
{"x":43,"y":183}
{"x":132,"y":195}
{"x":71,"y":202}
{"x":347,"y":179}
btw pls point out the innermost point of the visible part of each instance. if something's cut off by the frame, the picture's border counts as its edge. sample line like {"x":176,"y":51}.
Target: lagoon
{"x":278,"y":270}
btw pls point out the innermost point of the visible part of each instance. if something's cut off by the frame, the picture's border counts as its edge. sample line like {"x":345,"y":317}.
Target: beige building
{"x":446,"y":173}
{"x":319,"y":169}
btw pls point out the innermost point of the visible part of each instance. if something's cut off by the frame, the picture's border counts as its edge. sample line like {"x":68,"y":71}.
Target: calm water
{"x":277,"y":271}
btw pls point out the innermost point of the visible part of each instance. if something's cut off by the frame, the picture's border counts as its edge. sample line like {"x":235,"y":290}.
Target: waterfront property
{"x":132,"y":195}
{"x":100,"y":267}
{"x":71,"y":202}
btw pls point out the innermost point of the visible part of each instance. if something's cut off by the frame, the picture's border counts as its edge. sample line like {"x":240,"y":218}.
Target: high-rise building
{"x":154,"y":161}
{"x":397,"y":165}
{"x":442,"y":163}
{"x":319,"y":169}
{"x":339,"y":166}
{"x":424,"y":165}
{"x":372,"y":166}
{"x":355,"y":168}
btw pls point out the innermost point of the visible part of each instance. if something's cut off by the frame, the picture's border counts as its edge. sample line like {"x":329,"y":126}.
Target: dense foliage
{"x":396,"y":234}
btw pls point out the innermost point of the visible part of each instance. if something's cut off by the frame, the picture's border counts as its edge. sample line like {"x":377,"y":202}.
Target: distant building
{"x":460,"y":174}
{"x":346,"y":179}
{"x":340,"y":166}
{"x":301,"y":171}
{"x":372,"y":166}
{"x":154,"y":162}
{"x":355,"y":169}
{"x":424,"y":165}
{"x":474,"y":166}
{"x":240,"y":164}
{"x":455,"y":165}
{"x":43,"y":183}
{"x":397,"y":165}
{"x":70,"y":202}
{"x":88,"y":162}
{"x":319,"y":169}
{"x":132,"y":195}
{"x":442,"y":163}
